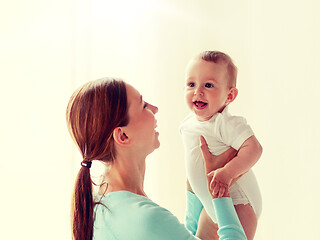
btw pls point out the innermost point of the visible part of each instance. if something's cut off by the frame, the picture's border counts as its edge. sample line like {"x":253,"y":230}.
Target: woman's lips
{"x":199,"y":105}
{"x":156,"y":130}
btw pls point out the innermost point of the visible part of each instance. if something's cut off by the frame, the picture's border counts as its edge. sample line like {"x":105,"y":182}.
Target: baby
{"x":210,"y":88}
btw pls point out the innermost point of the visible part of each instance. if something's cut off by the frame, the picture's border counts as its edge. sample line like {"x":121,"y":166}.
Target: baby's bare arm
{"x":248,"y":154}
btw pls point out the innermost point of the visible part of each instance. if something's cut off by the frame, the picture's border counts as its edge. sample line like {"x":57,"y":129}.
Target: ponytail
{"x":93,"y":112}
{"x":82,"y":206}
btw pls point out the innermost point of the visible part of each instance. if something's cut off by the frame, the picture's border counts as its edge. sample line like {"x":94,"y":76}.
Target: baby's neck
{"x":201,"y":119}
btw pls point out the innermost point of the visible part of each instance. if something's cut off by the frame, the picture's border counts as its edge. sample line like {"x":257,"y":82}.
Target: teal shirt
{"x":128,"y":216}
{"x":194,"y":208}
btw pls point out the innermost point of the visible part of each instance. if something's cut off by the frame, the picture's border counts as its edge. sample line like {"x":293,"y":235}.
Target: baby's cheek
{"x":189,"y":99}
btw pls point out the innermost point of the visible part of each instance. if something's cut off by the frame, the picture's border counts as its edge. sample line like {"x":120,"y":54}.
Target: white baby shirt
{"x":221,"y":132}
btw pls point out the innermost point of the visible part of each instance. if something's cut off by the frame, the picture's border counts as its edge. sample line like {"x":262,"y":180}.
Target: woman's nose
{"x":153,"y":108}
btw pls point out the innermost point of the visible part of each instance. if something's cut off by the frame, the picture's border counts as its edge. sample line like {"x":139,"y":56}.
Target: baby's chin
{"x":203,"y":117}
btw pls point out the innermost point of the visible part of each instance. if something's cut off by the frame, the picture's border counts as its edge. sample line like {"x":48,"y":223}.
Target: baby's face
{"x":206,"y":89}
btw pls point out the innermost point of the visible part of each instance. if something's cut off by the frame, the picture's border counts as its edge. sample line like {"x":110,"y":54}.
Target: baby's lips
{"x":200,"y":104}
{"x":199,"y":100}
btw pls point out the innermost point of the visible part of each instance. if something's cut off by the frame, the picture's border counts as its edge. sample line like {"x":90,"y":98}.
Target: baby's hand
{"x":220,"y":182}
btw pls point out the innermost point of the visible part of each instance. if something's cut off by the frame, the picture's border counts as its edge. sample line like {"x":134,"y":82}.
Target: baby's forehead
{"x":198,"y":59}
{"x":210,"y":67}
{"x":194,"y":60}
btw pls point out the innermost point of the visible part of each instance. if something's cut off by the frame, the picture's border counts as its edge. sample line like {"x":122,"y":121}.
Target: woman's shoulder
{"x":121,"y":215}
{"x":125,"y":203}
{"x":131,"y":205}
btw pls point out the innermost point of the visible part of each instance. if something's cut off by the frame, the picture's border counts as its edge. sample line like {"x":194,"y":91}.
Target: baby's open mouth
{"x":200,"y":104}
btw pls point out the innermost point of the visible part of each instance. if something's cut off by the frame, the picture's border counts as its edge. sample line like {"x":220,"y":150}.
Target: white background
{"x":48,"y":48}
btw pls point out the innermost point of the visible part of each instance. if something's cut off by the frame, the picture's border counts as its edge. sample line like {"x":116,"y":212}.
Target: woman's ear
{"x":233,"y":93}
{"x":120,"y":136}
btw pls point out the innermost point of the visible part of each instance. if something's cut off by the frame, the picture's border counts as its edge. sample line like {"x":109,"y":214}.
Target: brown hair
{"x":93,"y":112}
{"x":218,"y":57}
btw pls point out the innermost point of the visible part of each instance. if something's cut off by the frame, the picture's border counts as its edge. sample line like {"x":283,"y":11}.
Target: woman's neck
{"x":125,"y":174}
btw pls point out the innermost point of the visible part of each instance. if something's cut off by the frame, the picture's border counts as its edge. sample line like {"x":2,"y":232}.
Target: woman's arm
{"x":214,"y":163}
{"x":229,"y":225}
{"x":159,"y":224}
{"x":193,"y":211}
{"x":194,"y":206}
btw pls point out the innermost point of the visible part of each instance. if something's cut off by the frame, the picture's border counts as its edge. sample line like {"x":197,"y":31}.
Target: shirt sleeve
{"x":235,"y":131}
{"x":230,"y":227}
{"x":194,"y":208}
{"x":161,"y":224}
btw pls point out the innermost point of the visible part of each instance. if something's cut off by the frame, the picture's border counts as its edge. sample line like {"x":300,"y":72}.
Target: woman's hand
{"x":218,"y":181}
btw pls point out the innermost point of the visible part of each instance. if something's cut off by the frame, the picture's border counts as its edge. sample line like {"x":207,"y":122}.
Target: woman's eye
{"x":145,"y":105}
{"x":209,"y":85}
{"x":191,"y":84}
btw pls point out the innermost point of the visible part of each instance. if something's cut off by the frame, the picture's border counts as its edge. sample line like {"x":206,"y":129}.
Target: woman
{"x":110,"y":122}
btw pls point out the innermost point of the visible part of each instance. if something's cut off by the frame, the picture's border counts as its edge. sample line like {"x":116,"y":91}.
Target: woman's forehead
{"x":132,"y":92}
{"x":133,"y":96}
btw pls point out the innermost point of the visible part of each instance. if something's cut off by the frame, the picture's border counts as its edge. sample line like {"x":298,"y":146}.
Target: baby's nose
{"x":198,"y":91}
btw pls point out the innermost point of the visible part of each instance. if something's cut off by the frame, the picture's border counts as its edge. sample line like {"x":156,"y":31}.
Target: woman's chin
{"x":157,"y":145}
{"x":157,"y":142}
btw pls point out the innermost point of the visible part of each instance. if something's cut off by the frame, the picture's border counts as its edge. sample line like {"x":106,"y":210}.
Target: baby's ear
{"x":120,"y":136}
{"x":233,"y":93}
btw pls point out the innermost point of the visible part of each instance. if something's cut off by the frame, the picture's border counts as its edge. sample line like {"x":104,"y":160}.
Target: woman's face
{"x":142,"y":122}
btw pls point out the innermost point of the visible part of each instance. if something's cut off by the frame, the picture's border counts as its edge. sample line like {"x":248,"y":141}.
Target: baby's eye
{"x":190,"y":84}
{"x":145,"y":105}
{"x":208,"y":85}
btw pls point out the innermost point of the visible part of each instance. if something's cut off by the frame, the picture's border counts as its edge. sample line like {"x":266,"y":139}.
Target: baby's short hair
{"x":220,"y":57}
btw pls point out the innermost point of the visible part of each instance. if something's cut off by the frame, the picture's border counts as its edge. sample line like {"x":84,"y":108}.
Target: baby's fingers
{"x":227,"y":194}
{"x":221,"y":191}
{"x":216,"y":189}
{"x":212,"y":185}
